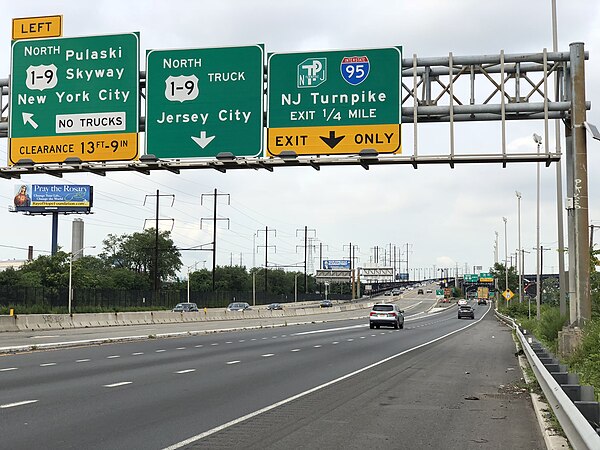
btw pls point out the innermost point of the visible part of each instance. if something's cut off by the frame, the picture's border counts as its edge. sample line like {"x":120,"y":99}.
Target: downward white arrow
{"x":203,"y":140}
{"x":27,"y":118}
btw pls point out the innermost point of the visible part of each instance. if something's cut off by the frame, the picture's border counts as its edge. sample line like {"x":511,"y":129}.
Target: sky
{"x":437,"y":216}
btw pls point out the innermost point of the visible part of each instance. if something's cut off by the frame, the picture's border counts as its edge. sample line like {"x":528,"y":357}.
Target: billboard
{"x":336,"y":264}
{"x":40,"y":198}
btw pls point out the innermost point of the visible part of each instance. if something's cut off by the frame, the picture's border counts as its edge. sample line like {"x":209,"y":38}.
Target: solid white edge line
{"x":315,"y":389}
{"x":12,"y":405}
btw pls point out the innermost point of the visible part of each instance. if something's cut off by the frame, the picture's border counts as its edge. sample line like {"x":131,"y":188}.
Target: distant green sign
{"x":471,"y":278}
{"x":201,"y":102}
{"x":439,"y":292}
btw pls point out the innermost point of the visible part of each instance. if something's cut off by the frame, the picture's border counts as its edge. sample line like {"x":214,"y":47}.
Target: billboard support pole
{"x":54,"y":232}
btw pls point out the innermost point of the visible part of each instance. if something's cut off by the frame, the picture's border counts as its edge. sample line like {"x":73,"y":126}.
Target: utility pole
{"x":266,"y":246}
{"x":156,"y":235}
{"x":352,"y":249}
{"x":215,"y":194}
{"x":306,"y":230}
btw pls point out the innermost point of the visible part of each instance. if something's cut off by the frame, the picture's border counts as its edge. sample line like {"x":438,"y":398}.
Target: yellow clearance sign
{"x":37,"y":27}
{"x":327,"y":140}
{"x":101,"y":147}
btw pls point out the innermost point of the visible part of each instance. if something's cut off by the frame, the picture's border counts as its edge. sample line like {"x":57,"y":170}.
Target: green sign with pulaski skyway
{"x":74,"y":98}
{"x":201,"y":102}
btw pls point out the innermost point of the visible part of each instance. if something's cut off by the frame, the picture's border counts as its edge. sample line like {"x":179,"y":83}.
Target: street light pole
{"x":505,"y":254}
{"x":72,"y":255}
{"x":519,"y":258}
{"x":538,"y":141}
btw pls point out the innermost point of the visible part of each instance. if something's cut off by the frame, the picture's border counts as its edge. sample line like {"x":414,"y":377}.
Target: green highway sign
{"x":471,"y":278}
{"x":74,"y":97}
{"x":201,"y":102}
{"x":336,"y":102}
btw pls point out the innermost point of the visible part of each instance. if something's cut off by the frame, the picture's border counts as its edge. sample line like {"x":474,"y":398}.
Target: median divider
{"x":87,"y":320}
{"x":8,"y":323}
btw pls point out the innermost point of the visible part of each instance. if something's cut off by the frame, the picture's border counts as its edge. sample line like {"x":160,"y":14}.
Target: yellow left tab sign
{"x":37,"y":27}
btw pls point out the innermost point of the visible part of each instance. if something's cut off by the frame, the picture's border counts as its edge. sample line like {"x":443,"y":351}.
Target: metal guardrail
{"x":580,"y":433}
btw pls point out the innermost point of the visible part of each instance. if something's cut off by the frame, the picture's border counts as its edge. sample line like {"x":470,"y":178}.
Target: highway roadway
{"x":439,"y":383}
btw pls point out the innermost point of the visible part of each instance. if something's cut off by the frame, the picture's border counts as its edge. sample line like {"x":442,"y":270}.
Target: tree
{"x":136,"y":252}
{"x":499,"y":273}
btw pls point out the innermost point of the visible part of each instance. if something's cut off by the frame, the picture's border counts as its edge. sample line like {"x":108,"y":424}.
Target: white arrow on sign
{"x":27,"y":118}
{"x":203,"y":140}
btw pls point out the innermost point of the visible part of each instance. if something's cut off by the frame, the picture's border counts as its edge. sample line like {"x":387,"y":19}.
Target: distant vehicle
{"x":481,"y":301}
{"x":395,"y":291}
{"x":274,"y":306}
{"x":410,"y":288}
{"x":238,"y":306}
{"x":185,"y":307}
{"x":326,"y":304}
{"x":387,"y":293}
{"x":386,"y":314}
{"x":420,"y":291}
{"x":466,"y":311}
{"x":429,"y":291}
{"x":462,"y":302}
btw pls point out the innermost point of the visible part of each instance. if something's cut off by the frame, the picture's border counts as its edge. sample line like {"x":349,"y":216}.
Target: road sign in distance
{"x":338,"y":102}
{"x":75,"y":97}
{"x":201,"y":102}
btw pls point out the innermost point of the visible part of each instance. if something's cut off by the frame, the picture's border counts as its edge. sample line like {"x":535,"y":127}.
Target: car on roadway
{"x":429,"y":291}
{"x":466,"y":311}
{"x":185,"y":307}
{"x":326,"y":304}
{"x":386,"y":314}
{"x":274,"y":306}
{"x":238,"y":306}
{"x":387,"y":293}
{"x":420,"y":291}
{"x":462,"y":302}
{"x":395,"y":291}
{"x":481,"y":301}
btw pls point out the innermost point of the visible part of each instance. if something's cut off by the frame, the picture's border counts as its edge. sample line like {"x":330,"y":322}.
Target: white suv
{"x":386,"y":314}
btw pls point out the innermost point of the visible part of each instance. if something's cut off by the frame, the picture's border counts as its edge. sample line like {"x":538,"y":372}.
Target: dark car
{"x":326,"y":304}
{"x":185,"y":307}
{"x":387,"y":314}
{"x":420,"y":291}
{"x":481,"y":301}
{"x":238,"y":306}
{"x":466,"y":311}
{"x":274,"y":306}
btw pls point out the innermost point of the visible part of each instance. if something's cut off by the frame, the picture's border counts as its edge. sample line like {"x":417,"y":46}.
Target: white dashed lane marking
{"x":317,"y":346}
{"x":185,"y":371}
{"x":232,"y":362}
{"x":121,"y":383}
{"x":266,"y":355}
{"x":12,"y":405}
{"x":295,"y":350}
{"x":82,"y":360}
{"x":199,"y":346}
{"x":48,"y":364}
{"x":137,"y":353}
{"x":8,"y":369}
{"x":160,"y":351}
{"x":180,"y":348}
{"x":112,"y":357}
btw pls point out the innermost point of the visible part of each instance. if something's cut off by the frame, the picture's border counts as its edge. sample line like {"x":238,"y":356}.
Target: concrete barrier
{"x":8,"y":323}
{"x":87,"y":320}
